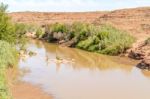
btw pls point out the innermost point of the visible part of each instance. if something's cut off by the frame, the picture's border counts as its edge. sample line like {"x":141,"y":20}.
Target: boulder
{"x":139,"y":51}
{"x":58,"y":36}
{"x":136,"y":55}
{"x":144,"y":64}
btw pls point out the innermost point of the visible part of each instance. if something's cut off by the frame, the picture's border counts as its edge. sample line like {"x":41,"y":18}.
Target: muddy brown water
{"x":83,"y":75}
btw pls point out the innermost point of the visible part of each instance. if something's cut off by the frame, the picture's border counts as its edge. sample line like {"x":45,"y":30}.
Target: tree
{"x":7,"y":30}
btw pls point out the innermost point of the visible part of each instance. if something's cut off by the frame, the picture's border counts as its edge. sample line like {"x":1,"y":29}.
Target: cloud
{"x":72,"y":5}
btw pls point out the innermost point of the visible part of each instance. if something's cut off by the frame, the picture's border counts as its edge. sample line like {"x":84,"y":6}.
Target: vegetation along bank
{"x":103,"y":39}
{"x":10,"y":38}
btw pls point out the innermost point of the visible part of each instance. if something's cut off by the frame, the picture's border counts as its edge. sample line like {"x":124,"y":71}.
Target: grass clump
{"x":79,"y":31}
{"x":39,"y":32}
{"x":8,"y":54}
{"x":8,"y":57}
{"x":20,"y":30}
{"x":59,"y":27}
{"x":107,"y":40}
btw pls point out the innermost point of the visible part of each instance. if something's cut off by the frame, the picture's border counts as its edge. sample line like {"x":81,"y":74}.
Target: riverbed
{"x":68,"y":73}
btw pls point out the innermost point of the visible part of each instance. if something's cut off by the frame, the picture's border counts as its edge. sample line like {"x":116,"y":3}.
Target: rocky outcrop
{"x":141,"y":52}
{"x":135,"y":21}
{"x":60,"y":38}
{"x":137,"y":51}
{"x":144,"y":64}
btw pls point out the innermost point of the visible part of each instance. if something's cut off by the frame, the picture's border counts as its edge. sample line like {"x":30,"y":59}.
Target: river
{"x":83,"y":75}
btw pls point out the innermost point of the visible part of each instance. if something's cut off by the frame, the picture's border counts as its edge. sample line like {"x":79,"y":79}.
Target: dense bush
{"x":59,"y":27}
{"x":39,"y":32}
{"x":10,"y":35}
{"x":80,"y":30}
{"x":103,"y":39}
{"x":77,"y":31}
{"x":107,"y":40}
{"x":7,"y":31}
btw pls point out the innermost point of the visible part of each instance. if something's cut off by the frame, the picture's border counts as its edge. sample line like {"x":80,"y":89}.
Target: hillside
{"x":52,"y":17}
{"x":135,"y":20}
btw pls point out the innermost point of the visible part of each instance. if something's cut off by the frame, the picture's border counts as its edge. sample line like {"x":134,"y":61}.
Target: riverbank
{"x":8,"y":59}
{"x":103,"y":39}
{"x":135,"y":21}
{"x":110,"y":32}
{"x":22,"y":90}
{"x":10,"y":43}
{"x":141,"y":51}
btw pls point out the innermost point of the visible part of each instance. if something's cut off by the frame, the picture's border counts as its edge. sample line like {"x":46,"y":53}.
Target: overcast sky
{"x":72,"y":5}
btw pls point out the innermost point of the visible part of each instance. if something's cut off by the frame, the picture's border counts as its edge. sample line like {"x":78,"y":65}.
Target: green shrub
{"x":12,"y":33}
{"x":85,"y":44}
{"x":103,"y":39}
{"x":7,"y":31}
{"x":20,"y":30}
{"x":107,"y":40}
{"x":59,"y":27}
{"x":10,"y":36}
{"x":79,"y":30}
{"x":39,"y":32}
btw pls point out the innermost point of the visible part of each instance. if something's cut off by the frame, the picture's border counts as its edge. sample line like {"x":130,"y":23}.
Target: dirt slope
{"x":48,"y":18}
{"x":136,"y":21}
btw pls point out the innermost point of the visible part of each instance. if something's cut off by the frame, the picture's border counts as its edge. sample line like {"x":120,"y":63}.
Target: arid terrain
{"x":52,"y":17}
{"x":135,"y":21}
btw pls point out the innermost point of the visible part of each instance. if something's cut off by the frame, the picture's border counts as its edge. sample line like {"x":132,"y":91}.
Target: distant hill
{"x":135,"y":20}
{"x":53,"y":17}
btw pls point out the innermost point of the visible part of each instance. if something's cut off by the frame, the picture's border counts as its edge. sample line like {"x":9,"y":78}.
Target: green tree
{"x":7,"y":30}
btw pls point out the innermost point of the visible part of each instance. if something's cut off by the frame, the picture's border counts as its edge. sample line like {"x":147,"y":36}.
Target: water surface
{"x":86,"y":75}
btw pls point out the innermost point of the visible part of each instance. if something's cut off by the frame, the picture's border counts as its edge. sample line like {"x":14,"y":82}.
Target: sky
{"x":72,"y":5}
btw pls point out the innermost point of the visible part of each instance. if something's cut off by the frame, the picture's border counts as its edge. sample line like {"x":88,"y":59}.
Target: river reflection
{"x":90,"y":76}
